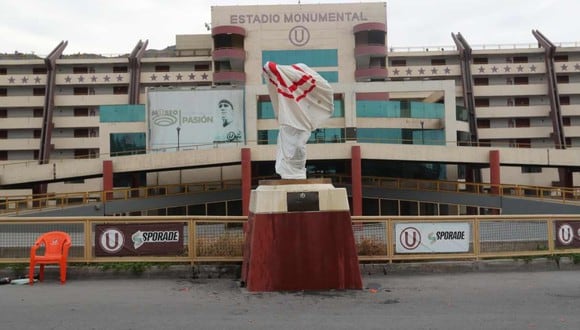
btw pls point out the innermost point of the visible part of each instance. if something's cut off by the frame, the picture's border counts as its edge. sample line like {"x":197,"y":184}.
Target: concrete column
{"x":356,"y":180}
{"x":246,"y":180}
{"x":494,"y":171}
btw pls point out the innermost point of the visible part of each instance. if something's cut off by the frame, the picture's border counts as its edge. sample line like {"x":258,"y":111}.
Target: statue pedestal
{"x":299,"y":237}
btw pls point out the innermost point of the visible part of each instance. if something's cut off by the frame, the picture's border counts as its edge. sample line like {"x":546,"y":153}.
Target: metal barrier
{"x":221,"y":239}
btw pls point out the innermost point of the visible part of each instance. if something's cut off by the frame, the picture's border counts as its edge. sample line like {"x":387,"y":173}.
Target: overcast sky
{"x":115,"y":26}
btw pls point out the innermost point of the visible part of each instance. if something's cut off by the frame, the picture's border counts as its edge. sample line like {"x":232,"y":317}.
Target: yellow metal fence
{"x":221,"y":239}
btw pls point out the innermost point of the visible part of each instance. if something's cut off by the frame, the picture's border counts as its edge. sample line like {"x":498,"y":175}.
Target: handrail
{"x":19,"y":203}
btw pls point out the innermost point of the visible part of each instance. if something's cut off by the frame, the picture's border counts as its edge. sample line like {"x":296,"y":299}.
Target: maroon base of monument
{"x":300,"y":251}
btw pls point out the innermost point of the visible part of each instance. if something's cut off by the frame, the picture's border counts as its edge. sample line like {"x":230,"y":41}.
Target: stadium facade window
{"x":480,"y":60}
{"x":162,"y":68}
{"x":122,"y":144}
{"x":80,"y":69}
{"x":310,"y":57}
{"x":481,"y":81}
{"x":437,"y":61}
{"x":122,"y":113}
{"x":521,"y":80}
{"x":398,"y":62}
{"x":41,"y":70}
{"x":38,"y":91}
{"x":563,"y":79}
{"x":531,"y":169}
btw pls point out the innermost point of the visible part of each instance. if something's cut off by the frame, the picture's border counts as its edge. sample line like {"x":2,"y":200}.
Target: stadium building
{"x":92,"y":106}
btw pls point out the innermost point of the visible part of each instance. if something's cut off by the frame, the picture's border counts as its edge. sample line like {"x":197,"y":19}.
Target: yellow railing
{"x":15,"y":205}
{"x":221,"y":239}
{"x":525,"y":191}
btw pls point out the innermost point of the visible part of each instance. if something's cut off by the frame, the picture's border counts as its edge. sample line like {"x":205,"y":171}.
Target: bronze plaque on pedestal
{"x":305,"y":201}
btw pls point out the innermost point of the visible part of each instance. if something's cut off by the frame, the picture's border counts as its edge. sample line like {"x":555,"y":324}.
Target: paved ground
{"x":538,"y":299}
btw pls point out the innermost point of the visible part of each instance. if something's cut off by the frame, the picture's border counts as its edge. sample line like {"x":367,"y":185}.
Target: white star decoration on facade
{"x":435,"y":70}
{"x":94,"y":79}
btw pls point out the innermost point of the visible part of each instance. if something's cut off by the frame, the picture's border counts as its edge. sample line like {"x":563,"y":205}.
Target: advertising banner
{"x":187,"y":118}
{"x":567,"y":234}
{"x":144,"y":239}
{"x":432,"y":237}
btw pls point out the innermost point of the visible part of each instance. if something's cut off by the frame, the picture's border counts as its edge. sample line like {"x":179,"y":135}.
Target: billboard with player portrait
{"x":193,"y":118}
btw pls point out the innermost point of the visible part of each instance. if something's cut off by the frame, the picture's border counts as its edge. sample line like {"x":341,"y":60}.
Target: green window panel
{"x":122,"y":144}
{"x":266,"y":110}
{"x":327,"y":135}
{"x":461,"y":114}
{"x":330,"y":76}
{"x":380,"y":135}
{"x":310,"y":57}
{"x":427,"y":110}
{"x":378,"y":109}
{"x":321,"y":135}
{"x":268,"y":136}
{"x":429,"y":137}
{"x":122,"y":113}
{"x":338,"y":109}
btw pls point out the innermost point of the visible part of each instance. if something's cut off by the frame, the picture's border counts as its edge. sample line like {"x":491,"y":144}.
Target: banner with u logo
{"x":567,"y":234}
{"x":432,"y":237}
{"x":139,"y":239}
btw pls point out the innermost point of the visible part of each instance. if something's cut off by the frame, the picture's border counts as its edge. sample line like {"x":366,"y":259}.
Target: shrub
{"x":371,"y":247}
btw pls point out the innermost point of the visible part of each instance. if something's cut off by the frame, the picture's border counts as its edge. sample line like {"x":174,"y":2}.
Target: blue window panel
{"x":379,"y":135}
{"x":378,"y":109}
{"x":122,"y":113}
{"x":266,"y":110}
{"x":330,"y":76}
{"x":427,"y":110}
{"x":122,"y":144}
{"x":461,"y":114}
{"x":429,"y":137}
{"x":310,"y":57}
{"x":268,"y":136}
{"x":327,"y":135}
{"x":338,"y":109}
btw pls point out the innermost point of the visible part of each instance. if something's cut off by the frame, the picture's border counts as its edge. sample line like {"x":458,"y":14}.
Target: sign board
{"x":432,"y":237}
{"x":144,"y":239}
{"x":567,"y":234}
{"x":184,"y":118}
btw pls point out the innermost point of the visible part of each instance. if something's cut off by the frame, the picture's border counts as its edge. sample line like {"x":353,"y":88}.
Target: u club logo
{"x":566,"y":234}
{"x":112,"y":240}
{"x":410,"y":238}
{"x":299,"y":36}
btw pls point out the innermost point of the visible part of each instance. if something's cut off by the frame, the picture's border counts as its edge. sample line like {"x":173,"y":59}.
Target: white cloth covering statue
{"x":302,"y":101}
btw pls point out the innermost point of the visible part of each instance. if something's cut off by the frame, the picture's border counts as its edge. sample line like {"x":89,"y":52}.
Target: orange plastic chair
{"x":56,"y":245}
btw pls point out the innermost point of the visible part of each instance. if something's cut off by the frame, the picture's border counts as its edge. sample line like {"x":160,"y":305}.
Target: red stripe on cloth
{"x":274,"y":69}
{"x":282,"y":87}
{"x":305,"y":93}
{"x":288,"y":95}
{"x":304,"y":79}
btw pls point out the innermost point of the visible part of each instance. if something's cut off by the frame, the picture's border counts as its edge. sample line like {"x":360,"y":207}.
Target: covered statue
{"x":302,"y":101}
